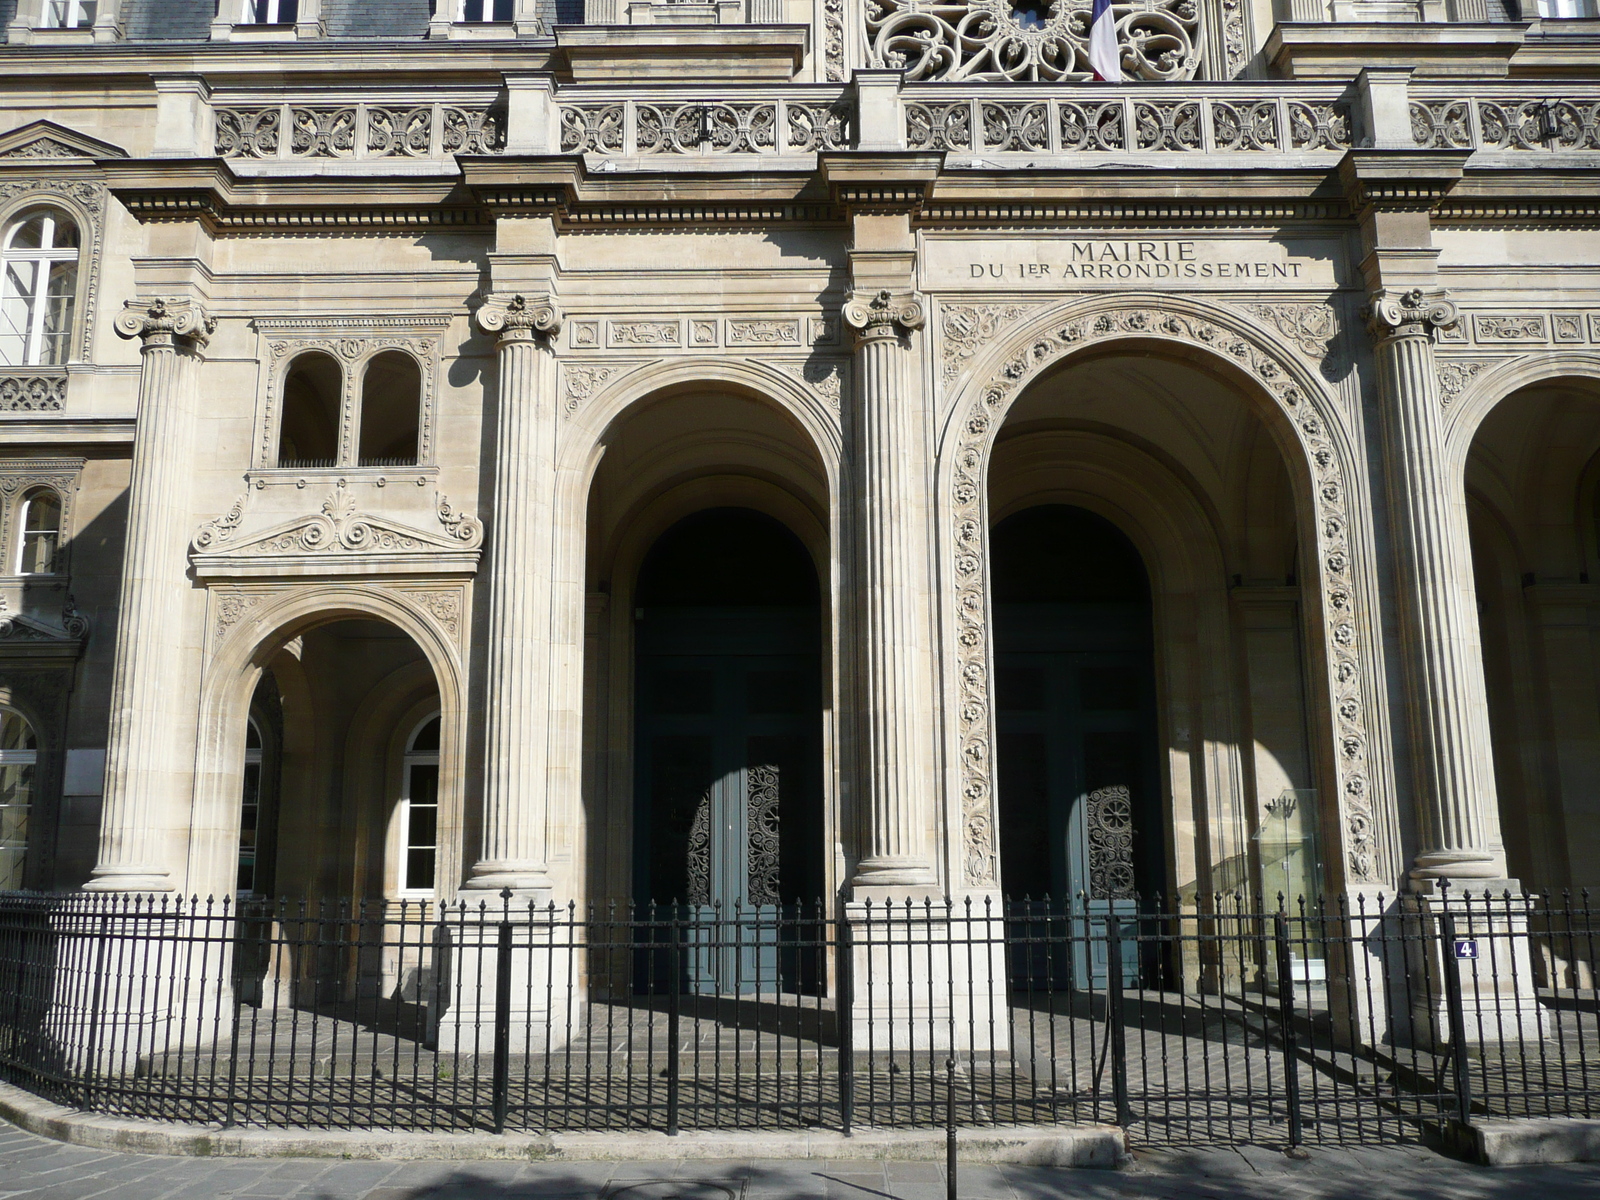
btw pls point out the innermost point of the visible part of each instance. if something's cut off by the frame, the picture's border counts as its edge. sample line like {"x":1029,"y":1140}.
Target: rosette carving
{"x":518,"y":318}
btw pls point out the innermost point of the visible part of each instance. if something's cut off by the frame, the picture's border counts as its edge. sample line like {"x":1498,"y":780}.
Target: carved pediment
{"x":46,"y":139}
{"x":29,"y":636}
{"x":337,"y":539}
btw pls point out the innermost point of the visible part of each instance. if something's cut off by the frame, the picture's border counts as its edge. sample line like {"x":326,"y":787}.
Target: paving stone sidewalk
{"x":40,"y":1169}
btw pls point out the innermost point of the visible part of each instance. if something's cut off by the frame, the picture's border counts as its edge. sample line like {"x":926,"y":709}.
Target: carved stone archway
{"x":1304,"y":419}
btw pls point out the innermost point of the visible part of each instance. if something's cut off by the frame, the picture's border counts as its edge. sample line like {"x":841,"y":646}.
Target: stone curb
{"x":1097,"y":1146}
{"x":1522,"y":1143}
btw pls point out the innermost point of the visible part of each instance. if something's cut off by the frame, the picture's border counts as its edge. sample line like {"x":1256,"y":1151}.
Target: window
{"x":250,"y":810}
{"x":40,"y":287}
{"x":391,"y":407}
{"x":310,"y":431}
{"x":41,"y":533}
{"x":70,"y":14}
{"x":419,"y":810}
{"x":271,"y":12}
{"x":19,"y":762}
{"x":484,"y":10}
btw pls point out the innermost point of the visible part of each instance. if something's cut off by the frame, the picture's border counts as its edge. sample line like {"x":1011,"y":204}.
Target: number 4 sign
{"x":1466,"y":948}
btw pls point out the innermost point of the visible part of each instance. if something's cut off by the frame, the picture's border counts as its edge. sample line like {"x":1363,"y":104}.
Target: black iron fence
{"x":1315,"y":1022}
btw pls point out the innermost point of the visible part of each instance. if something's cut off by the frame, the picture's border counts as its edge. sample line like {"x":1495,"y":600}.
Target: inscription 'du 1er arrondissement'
{"x":1126,"y":262}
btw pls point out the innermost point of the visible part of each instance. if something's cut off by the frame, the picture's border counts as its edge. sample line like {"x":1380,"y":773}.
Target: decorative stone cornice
{"x":884,"y":315}
{"x":1400,"y":180}
{"x":163,"y":323}
{"x":517,"y":318}
{"x":1416,"y":313}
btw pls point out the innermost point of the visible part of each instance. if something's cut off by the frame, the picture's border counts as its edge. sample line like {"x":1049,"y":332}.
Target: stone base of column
{"x":135,"y":991}
{"x":1362,"y":936}
{"x":543,"y":1000}
{"x":926,"y":976}
{"x":1487,"y":948}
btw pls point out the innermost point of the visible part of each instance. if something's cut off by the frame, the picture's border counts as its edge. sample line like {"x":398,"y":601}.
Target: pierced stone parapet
{"x":22,"y":390}
{"x":1506,"y":122}
{"x":762,"y":125}
{"x":361,"y":131}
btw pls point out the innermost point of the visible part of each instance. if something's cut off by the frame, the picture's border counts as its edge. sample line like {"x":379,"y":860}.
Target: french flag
{"x":1104,"y":60}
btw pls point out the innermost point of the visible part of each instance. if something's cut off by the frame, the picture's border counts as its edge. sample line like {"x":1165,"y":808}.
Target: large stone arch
{"x":1332,"y":512}
{"x":240,"y":649}
{"x":1495,"y":383}
{"x":611,"y":389}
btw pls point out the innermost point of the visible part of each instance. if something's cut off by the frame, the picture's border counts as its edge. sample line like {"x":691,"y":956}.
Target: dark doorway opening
{"x":728,"y":752}
{"x":1079,"y":798}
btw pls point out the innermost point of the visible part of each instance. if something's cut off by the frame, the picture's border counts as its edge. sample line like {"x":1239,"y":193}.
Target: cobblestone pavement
{"x":40,"y":1169}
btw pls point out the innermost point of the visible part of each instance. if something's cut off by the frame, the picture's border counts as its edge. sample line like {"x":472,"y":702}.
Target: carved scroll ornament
{"x":161,"y":322}
{"x":516,"y":318}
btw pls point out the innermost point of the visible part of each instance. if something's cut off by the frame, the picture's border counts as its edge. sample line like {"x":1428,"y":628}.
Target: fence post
{"x":845,"y":1020}
{"x":1459,"y":1066}
{"x":674,"y":1010}
{"x":97,"y":1004}
{"x":950,"y":1128}
{"x":1119,"y":1042}
{"x":502,"y":1023}
{"x":1291,"y":1056}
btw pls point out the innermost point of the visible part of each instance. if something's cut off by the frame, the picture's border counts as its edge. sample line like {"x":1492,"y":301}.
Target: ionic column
{"x":144,"y":751}
{"x":517,"y":713}
{"x":892,"y":585}
{"x":1440,"y":646}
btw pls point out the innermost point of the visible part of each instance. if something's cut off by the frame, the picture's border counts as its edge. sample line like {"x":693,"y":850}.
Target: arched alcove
{"x":313,"y":388}
{"x":391,"y":411}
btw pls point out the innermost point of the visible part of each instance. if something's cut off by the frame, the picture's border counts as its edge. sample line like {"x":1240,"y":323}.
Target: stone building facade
{"x":756,"y":451}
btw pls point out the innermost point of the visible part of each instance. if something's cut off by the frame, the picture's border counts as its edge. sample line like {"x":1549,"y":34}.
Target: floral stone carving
{"x":994,"y":40}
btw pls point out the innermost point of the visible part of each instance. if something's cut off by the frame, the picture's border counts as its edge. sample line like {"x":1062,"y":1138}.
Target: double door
{"x":1078,"y":804}
{"x":728,"y":806}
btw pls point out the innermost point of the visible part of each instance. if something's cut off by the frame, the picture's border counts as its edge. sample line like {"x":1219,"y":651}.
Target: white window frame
{"x":236,"y":21}
{"x":414,"y":758}
{"x":22,"y":531}
{"x":24,"y":758}
{"x":31,"y":23}
{"x":44,"y":258}
{"x":74,"y":10}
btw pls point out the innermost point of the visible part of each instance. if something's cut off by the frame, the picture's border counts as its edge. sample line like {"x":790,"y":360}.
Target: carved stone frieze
{"x":964,"y":329}
{"x":88,"y":201}
{"x":825,"y":377}
{"x":1313,"y":328}
{"x":746,"y":332}
{"x":1346,"y":647}
{"x":1456,"y":373}
{"x":337,"y":528}
{"x":646,"y":333}
{"x":833,"y":39}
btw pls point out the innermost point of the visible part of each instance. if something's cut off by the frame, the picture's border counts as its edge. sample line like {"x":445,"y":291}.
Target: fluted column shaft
{"x":892,"y":584}
{"x":1440,"y":643}
{"x":517,"y":714}
{"x":145,"y":746}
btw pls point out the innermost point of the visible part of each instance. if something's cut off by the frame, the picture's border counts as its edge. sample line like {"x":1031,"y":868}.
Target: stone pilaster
{"x":897,"y":737}
{"x":1446,"y":706}
{"x":148,"y":689}
{"x":517,"y":711}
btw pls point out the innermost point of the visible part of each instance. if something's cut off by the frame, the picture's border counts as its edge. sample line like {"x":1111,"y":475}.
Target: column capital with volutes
{"x":884,"y":314}
{"x":1414,"y":313}
{"x":162,"y":323}
{"x":519,"y":318}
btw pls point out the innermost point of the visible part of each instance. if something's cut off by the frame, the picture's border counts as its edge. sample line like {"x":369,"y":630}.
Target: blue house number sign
{"x":1466,"y":948}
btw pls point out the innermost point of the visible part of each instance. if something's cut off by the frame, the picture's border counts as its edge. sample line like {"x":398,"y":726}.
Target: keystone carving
{"x":516,"y":318}
{"x":161,"y":322}
{"x":885,"y":314}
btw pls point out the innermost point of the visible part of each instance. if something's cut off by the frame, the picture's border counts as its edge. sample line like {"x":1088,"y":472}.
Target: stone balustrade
{"x":1509,"y":119}
{"x":402,"y":128}
{"x":799,"y":120}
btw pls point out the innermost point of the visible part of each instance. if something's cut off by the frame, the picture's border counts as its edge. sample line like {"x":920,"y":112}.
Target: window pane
{"x":16,"y":798}
{"x":15,"y":732}
{"x":16,"y":312}
{"x":29,"y":235}
{"x":427,"y":738}
{"x":419,"y":869}
{"x":58,"y":312}
{"x":424,"y":826}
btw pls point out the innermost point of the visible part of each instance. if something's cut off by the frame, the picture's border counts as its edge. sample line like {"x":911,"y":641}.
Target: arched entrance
{"x":1080,"y":798}
{"x":728,"y":734}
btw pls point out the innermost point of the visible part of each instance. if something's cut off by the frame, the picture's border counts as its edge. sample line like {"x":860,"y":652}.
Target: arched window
{"x":250,"y":810}
{"x":19,"y":762}
{"x":309,"y":436}
{"x":41,"y":285}
{"x":41,"y":533}
{"x":391,"y":408}
{"x":419,"y":810}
